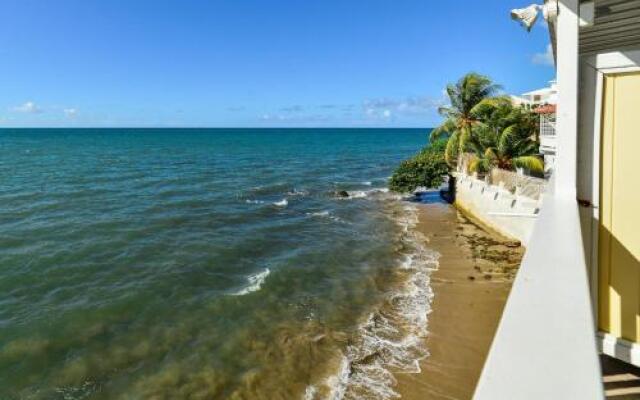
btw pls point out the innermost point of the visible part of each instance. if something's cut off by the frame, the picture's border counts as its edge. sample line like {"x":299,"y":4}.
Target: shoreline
{"x":471,"y":286}
{"x":389,"y":340}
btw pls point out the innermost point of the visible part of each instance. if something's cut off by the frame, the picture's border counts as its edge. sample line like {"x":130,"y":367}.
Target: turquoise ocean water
{"x":208,"y":264}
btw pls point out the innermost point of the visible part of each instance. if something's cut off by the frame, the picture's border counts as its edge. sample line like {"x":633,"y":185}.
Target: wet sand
{"x":476,"y":271}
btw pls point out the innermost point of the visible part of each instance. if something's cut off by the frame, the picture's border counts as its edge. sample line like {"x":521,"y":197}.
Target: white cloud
{"x":386,"y":108}
{"x":545,"y":58}
{"x":295,"y":118}
{"x":378,"y":110}
{"x":28,"y":108}
{"x":70,"y":112}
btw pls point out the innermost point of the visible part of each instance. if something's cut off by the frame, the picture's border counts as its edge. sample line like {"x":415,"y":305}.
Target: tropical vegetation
{"x":505,"y":137}
{"x":460,"y":115}
{"x":425,"y":169}
{"x":478,"y":122}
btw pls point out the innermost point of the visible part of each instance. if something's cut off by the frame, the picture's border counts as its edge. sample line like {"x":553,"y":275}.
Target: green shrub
{"x":438,"y":146}
{"x":425,"y":169}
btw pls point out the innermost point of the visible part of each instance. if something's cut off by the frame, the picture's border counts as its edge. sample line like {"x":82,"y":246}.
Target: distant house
{"x":543,"y":102}
{"x":548,"y":142}
{"x":536,"y":98}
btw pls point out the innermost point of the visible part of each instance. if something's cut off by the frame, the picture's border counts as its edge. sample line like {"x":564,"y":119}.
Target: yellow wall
{"x":619,"y":233}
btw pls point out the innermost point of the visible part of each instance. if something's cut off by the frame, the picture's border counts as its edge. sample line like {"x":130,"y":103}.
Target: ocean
{"x":208,"y":264}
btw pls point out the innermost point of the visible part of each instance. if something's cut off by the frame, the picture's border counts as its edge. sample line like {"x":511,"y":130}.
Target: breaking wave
{"x":391,"y":339}
{"x":325,"y":214}
{"x":296,"y":192}
{"x":382,"y":193}
{"x":281,"y":203}
{"x":255,"y":282}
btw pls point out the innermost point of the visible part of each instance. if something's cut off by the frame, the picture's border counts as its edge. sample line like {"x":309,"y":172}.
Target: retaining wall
{"x":512,"y":214}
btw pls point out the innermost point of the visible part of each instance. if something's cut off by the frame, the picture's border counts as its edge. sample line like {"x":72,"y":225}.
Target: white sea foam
{"x":325,"y":214}
{"x":310,"y":392}
{"x":296,"y":192}
{"x":281,"y":203}
{"x":367,"y":183}
{"x":391,"y":339}
{"x":338,"y":382}
{"x":254,"y":201}
{"x":255,"y":282}
{"x":319,"y":214}
{"x":361,"y":194}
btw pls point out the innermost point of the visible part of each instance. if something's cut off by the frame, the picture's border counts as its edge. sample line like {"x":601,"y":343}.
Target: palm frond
{"x":474,"y":146}
{"x":530,"y":163}
{"x":507,"y":139}
{"x":474,"y":165}
{"x":490,"y":154}
{"x":445,"y":111}
{"x":480,"y":165}
{"x":489,"y":103}
{"x":484,"y":134}
{"x":447,"y":127}
{"x":451,"y":151}
{"x":473,"y":117}
{"x":464,"y":139}
{"x":528,"y":148}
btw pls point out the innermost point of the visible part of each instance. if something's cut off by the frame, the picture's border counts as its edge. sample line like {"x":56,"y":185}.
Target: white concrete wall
{"x":510,"y":214}
{"x":545,"y":344}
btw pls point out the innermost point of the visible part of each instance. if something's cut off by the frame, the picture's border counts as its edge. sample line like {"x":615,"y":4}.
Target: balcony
{"x":547,"y":129}
{"x":545,"y":346}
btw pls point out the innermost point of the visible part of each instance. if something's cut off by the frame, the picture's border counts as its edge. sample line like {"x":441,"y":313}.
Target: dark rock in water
{"x":342,"y":193}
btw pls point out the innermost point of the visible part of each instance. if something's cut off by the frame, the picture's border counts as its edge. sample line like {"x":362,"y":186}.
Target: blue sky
{"x":254,"y":63}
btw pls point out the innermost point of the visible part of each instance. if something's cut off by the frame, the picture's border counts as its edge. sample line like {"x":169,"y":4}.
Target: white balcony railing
{"x":545,"y":346}
{"x":547,"y":125}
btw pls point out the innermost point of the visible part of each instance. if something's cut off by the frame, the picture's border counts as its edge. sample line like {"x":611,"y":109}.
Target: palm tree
{"x":459,"y":116}
{"x":504,"y":136}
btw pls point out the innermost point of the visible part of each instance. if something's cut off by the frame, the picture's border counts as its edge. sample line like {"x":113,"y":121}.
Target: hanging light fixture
{"x":528,"y":16}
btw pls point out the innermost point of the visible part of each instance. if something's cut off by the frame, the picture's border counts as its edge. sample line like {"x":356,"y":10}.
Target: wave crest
{"x":255,"y":282}
{"x":378,"y":193}
{"x":281,"y":203}
{"x":391,"y":339}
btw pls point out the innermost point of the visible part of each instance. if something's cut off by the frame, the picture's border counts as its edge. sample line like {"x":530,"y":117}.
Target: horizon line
{"x":204,"y":127}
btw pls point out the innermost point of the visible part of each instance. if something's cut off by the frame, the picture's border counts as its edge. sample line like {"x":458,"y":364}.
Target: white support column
{"x":567,"y":31}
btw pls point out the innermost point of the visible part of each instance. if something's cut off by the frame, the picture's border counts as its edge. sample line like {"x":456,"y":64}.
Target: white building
{"x":543,"y":102}
{"x":548,"y":140}
{"x":577,"y":293}
{"x":540,"y":97}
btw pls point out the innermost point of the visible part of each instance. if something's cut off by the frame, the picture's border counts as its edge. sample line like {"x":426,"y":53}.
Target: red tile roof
{"x":546,"y":109}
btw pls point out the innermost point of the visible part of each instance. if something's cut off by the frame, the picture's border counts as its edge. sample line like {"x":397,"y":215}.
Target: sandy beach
{"x":470,"y":287}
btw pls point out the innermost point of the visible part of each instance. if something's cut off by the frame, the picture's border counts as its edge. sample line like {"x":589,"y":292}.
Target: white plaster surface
{"x":545,"y":345}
